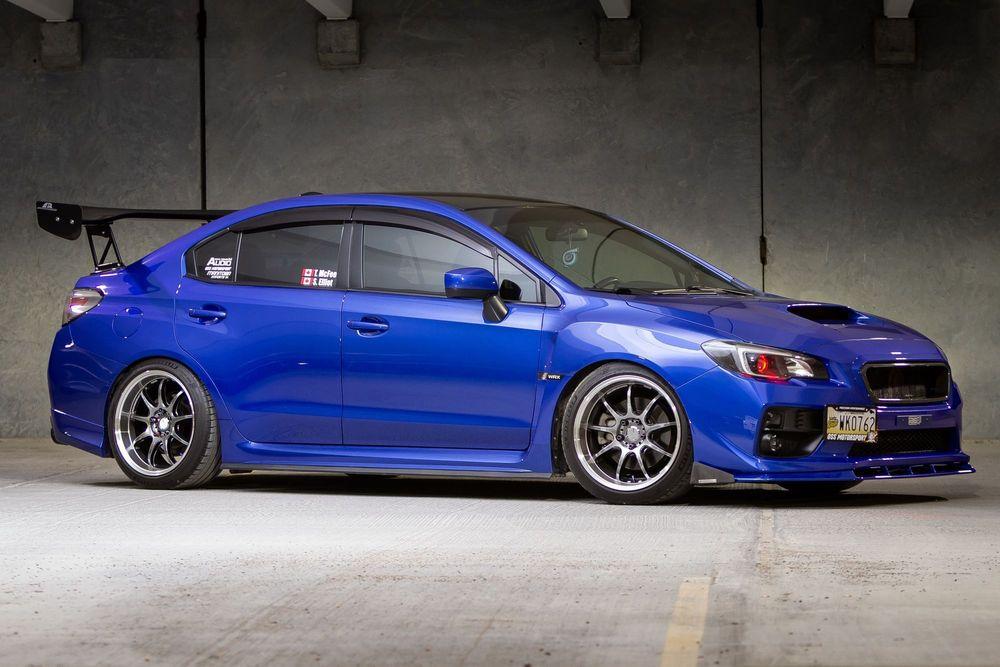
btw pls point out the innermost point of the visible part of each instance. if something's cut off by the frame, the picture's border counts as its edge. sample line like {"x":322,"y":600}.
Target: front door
{"x":423,"y":370}
{"x":260,"y":311}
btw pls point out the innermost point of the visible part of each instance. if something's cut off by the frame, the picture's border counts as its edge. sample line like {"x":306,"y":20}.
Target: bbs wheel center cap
{"x":159,"y":423}
{"x":632,"y":432}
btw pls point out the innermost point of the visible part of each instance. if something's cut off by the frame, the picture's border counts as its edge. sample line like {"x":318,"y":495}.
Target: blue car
{"x":476,"y":335}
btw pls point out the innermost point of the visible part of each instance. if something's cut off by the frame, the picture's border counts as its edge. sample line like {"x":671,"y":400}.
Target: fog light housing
{"x":790,"y":431}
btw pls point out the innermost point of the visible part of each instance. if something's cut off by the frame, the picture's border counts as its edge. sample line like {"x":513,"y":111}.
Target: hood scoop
{"x":822,"y":313}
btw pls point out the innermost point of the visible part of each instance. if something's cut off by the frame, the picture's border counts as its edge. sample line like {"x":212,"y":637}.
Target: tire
{"x":162,"y":427}
{"x":818,"y":489}
{"x":632,"y":424}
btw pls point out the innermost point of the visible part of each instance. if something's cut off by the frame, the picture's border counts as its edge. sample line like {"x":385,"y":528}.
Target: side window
{"x":515,"y":285}
{"x":301,"y":254}
{"x":214,"y":260}
{"x":403,"y":259}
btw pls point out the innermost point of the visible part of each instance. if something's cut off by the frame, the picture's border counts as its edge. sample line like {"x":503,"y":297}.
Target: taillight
{"x":80,"y":301}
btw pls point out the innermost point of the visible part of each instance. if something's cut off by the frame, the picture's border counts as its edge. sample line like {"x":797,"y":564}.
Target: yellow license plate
{"x":851,"y":424}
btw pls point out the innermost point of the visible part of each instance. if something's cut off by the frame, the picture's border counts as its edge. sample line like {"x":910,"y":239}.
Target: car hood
{"x":826,"y":330}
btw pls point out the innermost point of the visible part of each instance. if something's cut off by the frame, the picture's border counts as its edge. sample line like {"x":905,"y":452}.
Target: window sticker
{"x":219,"y":268}
{"x":318,"y":278}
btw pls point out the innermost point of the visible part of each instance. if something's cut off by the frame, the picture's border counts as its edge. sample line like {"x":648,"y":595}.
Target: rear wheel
{"x":817,"y":489}
{"x":624,"y":435}
{"x":162,"y":427}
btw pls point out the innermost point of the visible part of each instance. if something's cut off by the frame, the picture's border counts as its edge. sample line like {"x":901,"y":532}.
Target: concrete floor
{"x":323,"y":569}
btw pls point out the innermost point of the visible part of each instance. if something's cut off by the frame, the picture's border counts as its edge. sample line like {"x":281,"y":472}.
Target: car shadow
{"x":773,"y":497}
{"x":739,"y":495}
{"x":388,"y":485}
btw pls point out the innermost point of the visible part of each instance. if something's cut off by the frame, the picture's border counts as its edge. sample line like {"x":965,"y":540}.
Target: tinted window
{"x":515,"y":285}
{"x":300,"y":254}
{"x":215,"y":259}
{"x":593,"y":251}
{"x":401,"y":259}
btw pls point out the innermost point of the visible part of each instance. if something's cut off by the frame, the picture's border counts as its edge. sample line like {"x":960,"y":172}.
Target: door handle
{"x":368,"y":325}
{"x":207,"y":314}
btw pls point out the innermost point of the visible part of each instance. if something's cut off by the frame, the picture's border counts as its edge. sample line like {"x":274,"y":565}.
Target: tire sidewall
{"x":674,"y":484}
{"x":205,"y":432}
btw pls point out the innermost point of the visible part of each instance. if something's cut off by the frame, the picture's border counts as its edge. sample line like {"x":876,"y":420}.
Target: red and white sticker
{"x":317,"y":278}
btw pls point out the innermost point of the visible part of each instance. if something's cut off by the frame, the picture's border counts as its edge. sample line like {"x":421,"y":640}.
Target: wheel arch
{"x":559,"y":465}
{"x":220,"y":406}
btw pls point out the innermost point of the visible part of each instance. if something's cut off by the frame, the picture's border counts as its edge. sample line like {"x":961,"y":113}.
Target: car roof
{"x":466,"y":201}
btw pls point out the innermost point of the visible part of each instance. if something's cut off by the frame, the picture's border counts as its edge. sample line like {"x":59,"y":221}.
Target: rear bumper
{"x":79,"y":382}
{"x":69,"y":430}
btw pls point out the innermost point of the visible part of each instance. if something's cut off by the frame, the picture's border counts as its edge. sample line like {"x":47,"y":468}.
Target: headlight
{"x":769,"y":363}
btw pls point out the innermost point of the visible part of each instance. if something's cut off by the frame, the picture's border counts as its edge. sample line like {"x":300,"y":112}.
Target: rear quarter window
{"x":215,"y":259}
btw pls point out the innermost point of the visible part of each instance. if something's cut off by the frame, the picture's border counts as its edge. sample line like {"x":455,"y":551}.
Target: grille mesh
{"x":908,"y":383}
{"x":912,"y":441}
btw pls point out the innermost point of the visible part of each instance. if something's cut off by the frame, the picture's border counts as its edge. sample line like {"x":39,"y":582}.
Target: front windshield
{"x":594,"y":252}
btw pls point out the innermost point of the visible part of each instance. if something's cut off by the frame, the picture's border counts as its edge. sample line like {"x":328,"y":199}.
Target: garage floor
{"x":339,"y":570}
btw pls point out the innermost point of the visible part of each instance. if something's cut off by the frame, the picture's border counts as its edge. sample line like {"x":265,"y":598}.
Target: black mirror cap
{"x":468,"y":293}
{"x":509,"y":290}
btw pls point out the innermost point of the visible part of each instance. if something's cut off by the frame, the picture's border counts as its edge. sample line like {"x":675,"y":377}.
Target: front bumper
{"x":725,"y":413}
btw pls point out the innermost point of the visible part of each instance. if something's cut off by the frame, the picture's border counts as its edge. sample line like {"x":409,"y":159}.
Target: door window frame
{"x":440,"y":226}
{"x":340,"y":215}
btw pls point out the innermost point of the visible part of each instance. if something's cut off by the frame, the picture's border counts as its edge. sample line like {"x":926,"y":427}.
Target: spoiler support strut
{"x":68,"y":220}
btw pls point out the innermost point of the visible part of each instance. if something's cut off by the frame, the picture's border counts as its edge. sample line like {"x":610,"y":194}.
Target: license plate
{"x":851,"y":424}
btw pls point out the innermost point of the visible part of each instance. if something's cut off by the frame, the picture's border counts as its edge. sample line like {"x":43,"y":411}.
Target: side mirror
{"x":475,"y":283}
{"x":470,"y":283}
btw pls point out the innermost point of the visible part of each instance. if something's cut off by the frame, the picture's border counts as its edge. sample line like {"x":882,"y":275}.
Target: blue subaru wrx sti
{"x":475,"y":335}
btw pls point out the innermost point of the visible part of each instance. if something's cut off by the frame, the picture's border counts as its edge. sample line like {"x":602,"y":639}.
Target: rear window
{"x":293,"y":255}
{"x":304,"y":255}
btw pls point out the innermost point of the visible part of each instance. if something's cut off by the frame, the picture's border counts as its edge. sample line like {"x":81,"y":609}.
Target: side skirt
{"x":410,"y":472}
{"x":368,"y":459}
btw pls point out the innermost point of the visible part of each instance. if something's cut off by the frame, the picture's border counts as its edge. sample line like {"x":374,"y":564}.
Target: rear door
{"x":423,"y":370}
{"x":260,"y":310}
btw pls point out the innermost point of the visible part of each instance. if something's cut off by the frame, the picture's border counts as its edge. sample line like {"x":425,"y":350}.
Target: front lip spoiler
{"x":905,"y":470}
{"x":898,"y":467}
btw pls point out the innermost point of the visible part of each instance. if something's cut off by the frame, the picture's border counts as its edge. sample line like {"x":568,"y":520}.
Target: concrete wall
{"x":883,"y":183}
{"x":507,"y":97}
{"x":123,"y":129}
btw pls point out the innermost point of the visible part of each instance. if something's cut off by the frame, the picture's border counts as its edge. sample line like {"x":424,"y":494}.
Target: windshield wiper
{"x":703,"y":289}
{"x":624,"y":290}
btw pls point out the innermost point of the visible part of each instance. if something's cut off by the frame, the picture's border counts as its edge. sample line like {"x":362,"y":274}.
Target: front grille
{"x":911,"y":441}
{"x":907,"y":382}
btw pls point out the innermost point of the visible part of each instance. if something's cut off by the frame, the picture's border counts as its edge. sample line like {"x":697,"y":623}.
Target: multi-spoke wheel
{"x":155,"y":421}
{"x":162,"y":427}
{"x":625,"y":436}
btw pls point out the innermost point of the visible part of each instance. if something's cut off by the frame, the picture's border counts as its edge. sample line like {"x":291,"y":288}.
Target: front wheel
{"x":162,"y":427}
{"x":625,"y":437}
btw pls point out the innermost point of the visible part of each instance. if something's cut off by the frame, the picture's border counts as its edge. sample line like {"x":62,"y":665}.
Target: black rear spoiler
{"x":68,"y":220}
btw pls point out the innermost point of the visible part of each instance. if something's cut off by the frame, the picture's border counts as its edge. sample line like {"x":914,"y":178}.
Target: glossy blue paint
{"x":439,"y":376}
{"x":470,"y":283}
{"x":282,"y":383}
{"x":346,"y":378}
